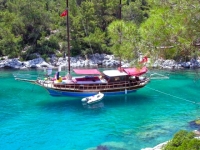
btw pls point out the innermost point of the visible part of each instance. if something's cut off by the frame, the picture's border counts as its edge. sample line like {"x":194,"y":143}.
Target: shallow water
{"x":32,"y":119}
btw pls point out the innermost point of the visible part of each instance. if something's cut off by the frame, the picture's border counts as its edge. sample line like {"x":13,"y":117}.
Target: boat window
{"x":107,"y":78}
{"x":117,"y":78}
{"x":123,"y":78}
{"x":137,"y":78}
{"x":88,"y":77}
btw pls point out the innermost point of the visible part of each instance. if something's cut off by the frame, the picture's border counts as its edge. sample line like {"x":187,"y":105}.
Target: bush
{"x":12,"y":55}
{"x":59,"y":55}
{"x":183,"y":140}
{"x":26,"y":57}
{"x":45,"y":46}
{"x":45,"y":57}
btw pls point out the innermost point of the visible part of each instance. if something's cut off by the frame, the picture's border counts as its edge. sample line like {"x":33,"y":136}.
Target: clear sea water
{"x":31,"y":119}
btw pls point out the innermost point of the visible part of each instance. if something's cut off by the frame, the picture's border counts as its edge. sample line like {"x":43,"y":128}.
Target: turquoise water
{"x":32,"y":119}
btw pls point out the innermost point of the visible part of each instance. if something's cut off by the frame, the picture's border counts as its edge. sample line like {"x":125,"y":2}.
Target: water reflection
{"x":96,"y":105}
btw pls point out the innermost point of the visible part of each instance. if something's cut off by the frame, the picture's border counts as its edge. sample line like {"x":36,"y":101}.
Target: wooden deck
{"x":91,"y":86}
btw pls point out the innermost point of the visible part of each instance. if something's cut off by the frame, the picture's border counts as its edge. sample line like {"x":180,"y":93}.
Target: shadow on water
{"x":61,"y":104}
{"x":72,"y":105}
{"x":122,"y":100}
{"x":94,"y":106}
{"x":75,"y":104}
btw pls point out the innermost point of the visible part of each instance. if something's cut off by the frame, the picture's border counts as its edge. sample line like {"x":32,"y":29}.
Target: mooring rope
{"x":174,"y":96}
{"x":159,"y":76}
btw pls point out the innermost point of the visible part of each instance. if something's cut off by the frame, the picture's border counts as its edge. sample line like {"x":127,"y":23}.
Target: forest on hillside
{"x":159,"y":28}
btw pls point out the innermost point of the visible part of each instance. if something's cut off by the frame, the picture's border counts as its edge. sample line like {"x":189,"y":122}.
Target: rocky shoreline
{"x":94,"y":60}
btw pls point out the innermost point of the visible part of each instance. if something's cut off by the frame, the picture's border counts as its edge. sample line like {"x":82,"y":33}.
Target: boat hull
{"x":54,"y":92}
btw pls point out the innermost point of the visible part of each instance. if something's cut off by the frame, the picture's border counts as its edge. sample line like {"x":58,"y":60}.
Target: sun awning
{"x":114,"y":73}
{"x":87,"y":71}
{"x":135,"y":71}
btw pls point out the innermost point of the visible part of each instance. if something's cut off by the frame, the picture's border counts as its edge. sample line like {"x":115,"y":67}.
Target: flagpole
{"x":68,"y":38}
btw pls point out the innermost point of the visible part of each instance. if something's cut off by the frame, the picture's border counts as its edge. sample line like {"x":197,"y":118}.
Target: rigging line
{"x":87,"y":35}
{"x":174,"y":96}
{"x":197,"y":76}
{"x":32,"y":87}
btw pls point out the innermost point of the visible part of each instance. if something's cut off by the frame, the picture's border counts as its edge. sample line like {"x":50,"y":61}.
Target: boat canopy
{"x":87,"y":71}
{"x":135,"y":71}
{"x":114,"y":73}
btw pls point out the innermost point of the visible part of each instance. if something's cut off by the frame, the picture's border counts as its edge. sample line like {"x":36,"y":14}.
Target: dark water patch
{"x":195,"y":125}
{"x":60,"y":105}
{"x":121,"y":101}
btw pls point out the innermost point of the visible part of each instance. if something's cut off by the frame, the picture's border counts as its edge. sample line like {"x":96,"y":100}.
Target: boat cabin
{"x":115,"y":76}
{"x":124,"y":74}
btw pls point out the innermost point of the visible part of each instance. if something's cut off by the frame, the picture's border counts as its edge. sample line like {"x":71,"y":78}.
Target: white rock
{"x":158,"y":147}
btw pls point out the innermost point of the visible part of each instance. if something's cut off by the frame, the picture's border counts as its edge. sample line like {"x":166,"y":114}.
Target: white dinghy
{"x":93,"y":99}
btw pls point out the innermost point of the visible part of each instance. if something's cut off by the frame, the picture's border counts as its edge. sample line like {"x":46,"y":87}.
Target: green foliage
{"x":124,"y":38}
{"x":47,"y":46}
{"x":172,"y":25}
{"x":169,"y":53}
{"x":97,"y":40}
{"x":59,"y":55}
{"x":45,"y":57}
{"x":10,"y":39}
{"x":135,"y":11}
{"x":28,"y":54}
{"x":183,"y":140}
{"x":160,"y":28}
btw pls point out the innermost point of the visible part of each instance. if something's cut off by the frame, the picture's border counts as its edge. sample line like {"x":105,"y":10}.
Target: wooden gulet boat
{"x":109,"y":82}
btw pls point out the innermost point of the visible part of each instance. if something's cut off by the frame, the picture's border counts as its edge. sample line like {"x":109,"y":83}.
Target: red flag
{"x":64,"y":13}
{"x":144,"y":59}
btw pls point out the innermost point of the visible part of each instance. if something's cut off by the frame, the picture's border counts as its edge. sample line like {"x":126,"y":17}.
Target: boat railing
{"x":74,"y":86}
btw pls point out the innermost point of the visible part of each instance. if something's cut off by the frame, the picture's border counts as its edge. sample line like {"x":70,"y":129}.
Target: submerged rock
{"x":100,"y":147}
{"x":115,"y":145}
{"x":195,"y":124}
{"x":110,"y":146}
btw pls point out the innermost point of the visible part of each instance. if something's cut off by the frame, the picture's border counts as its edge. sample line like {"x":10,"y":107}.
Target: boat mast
{"x":120,"y":17}
{"x":68,"y":38}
